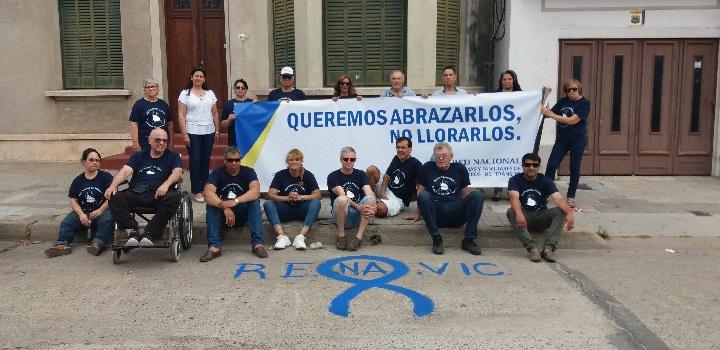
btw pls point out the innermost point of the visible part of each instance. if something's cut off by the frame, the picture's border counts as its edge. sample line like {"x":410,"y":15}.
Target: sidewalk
{"x":34,"y":196}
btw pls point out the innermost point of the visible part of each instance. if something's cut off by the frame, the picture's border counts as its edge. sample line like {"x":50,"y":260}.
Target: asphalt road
{"x":632,"y":295}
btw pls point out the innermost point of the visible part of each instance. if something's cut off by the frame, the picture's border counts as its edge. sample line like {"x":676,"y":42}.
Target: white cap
{"x":287,"y":71}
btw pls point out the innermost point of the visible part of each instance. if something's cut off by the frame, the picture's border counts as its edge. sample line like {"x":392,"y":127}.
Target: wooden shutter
{"x":284,"y":34}
{"x":447,"y":49}
{"x":91,"y":44}
{"x":364,"y":38}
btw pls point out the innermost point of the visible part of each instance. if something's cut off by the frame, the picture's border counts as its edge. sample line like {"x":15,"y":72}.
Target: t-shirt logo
{"x":155,"y":118}
{"x":566,"y":112}
{"x":151,"y":170}
{"x":231,"y":191}
{"x":398,"y":179}
{"x":294,"y":188}
{"x":90,"y":198}
{"x":444,"y":186}
{"x":531,"y":199}
{"x":352,"y":191}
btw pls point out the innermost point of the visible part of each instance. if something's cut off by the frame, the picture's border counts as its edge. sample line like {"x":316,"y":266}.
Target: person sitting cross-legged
{"x":529,"y":192}
{"x":232,"y":195}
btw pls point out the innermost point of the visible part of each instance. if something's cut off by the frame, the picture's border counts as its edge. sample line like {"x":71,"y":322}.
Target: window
{"x":284,"y":33}
{"x":447,"y":47}
{"x":364,"y":38}
{"x":91,"y":44}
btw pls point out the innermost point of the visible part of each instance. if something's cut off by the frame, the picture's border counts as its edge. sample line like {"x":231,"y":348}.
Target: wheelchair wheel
{"x":175,"y":251}
{"x":185,"y":221}
{"x":116,"y":256}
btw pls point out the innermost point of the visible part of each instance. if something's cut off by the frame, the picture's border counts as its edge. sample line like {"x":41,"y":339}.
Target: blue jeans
{"x":562,"y":146}
{"x":438,"y":213}
{"x":352,"y":219}
{"x":277,"y":212}
{"x":102,"y":228}
{"x":199,"y":150}
{"x":244,"y":213}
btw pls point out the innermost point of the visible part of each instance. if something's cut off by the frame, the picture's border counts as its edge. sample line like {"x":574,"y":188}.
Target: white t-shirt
{"x":198,"y":119}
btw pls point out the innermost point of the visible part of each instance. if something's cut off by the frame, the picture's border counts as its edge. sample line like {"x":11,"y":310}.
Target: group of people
{"x":232,"y":192}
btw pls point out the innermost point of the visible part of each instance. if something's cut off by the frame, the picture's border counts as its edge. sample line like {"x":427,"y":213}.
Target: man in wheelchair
{"x":154,"y":173}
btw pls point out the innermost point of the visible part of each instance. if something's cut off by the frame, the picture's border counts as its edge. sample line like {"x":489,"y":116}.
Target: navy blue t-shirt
{"x":90,"y":193}
{"x":149,"y":115}
{"x":352,"y":184}
{"x":229,"y":187}
{"x":294,"y":95}
{"x":533,"y":194}
{"x":402,"y":177}
{"x":285,"y":183}
{"x":228,"y":109}
{"x":148,"y":172}
{"x":566,"y":107}
{"x":444,"y":185}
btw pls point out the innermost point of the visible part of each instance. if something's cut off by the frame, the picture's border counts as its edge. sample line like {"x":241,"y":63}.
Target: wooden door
{"x":195,"y":36}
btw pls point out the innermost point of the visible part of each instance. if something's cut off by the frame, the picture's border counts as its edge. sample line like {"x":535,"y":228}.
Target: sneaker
{"x":282,"y":242}
{"x":437,"y":247}
{"x":340,"y":243}
{"x":299,"y":242}
{"x":353,"y":243}
{"x":58,"y":250}
{"x":199,"y":198}
{"x":534,"y":254}
{"x":260,"y":251}
{"x":470,"y":246}
{"x":548,"y":255}
{"x":133,"y":241}
{"x":94,"y":249}
{"x":146,"y":242}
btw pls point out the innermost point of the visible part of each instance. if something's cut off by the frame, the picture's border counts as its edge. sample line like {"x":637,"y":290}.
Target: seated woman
{"x":293,"y":195}
{"x":89,"y":208}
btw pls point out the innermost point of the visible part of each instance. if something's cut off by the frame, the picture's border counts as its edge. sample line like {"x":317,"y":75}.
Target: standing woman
{"x":228,"y":113}
{"x":344,"y":88}
{"x":148,"y":113}
{"x":200,"y":126}
{"x":508,"y":82}
{"x":571,"y":113}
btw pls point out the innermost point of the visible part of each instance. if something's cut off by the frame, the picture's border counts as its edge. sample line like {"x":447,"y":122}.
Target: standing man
{"x":399,"y":179}
{"x":153,"y":173}
{"x":445,"y":199}
{"x":449,"y":78}
{"x":287,"y":90}
{"x":397,"y":88}
{"x":148,"y":113}
{"x":232,"y":195}
{"x":528,"y":192}
{"x":352,"y":200}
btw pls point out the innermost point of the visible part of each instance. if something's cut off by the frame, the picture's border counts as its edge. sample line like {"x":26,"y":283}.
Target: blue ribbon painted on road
{"x":340,"y":305}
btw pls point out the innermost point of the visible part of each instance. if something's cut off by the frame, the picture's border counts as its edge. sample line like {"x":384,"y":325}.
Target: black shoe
{"x":438,"y":245}
{"x":470,"y":246}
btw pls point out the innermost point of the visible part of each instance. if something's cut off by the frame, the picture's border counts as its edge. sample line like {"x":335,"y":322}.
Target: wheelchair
{"x":177,"y":236}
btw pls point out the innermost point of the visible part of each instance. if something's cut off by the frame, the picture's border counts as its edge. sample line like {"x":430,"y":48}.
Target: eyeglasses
{"x":241,"y":88}
{"x":345,"y":83}
{"x":531,"y":165}
{"x":571,"y":89}
{"x":349,"y":159}
{"x":92,"y":159}
{"x":442,"y":156}
{"x":286,"y":77}
{"x":152,"y":87}
{"x":233,"y":160}
{"x":159,"y":140}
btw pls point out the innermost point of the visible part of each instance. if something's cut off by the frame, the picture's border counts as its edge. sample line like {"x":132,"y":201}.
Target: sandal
{"x":340,"y":243}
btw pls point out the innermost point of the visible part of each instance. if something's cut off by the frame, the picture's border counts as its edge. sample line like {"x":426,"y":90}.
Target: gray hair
{"x":441,"y":145}
{"x":149,"y":81}
{"x":231,"y":150}
{"x":347,"y":149}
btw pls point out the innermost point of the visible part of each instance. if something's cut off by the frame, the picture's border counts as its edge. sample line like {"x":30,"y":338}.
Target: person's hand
{"x":520,"y":221}
{"x":414,"y":217}
{"x":136,"y":146}
{"x":545,"y":111}
{"x":424,"y":95}
{"x":335,"y":98}
{"x":217,"y":136}
{"x":569,"y":221}
{"x":231,"y":117}
{"x":293,"y":196}
{"x":186,"y":139}
{"x":229,"y":217}
{"x":359,"y":98}
{"x":111,"y":191}
{"x":85,"y":220}
{"x":161,"y":191}
{"x":94,"y":214}
{"x":227,"y":204}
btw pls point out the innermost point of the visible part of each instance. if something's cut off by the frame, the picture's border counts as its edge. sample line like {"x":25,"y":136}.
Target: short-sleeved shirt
{"x":228,"y":109}
{"x":199,"y":119}
{"x":533,"y":194}
{"x":294,"y":95}
{"x":148,"y":172}
{"x":441,"y":92}
{"x":229,"y":187}
{"x":148,"y":116}
{"x":403,"y":176}
{"x":90,"y":192}
{"x":444,"y":185}
{"x":405,"y":90}
{"x":285,"y":183}
{"x":566,"y":107}
{"x":352,"y":184}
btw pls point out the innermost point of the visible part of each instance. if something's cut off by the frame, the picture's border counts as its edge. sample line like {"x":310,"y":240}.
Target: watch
{"x":237,"y":200}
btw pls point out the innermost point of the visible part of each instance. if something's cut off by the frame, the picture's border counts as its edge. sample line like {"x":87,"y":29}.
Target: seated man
{"x":399,"y":179}
{"x":153,"y":173}
{"x":528,"y":192}
{"x":352,"y":200}
{"x":232,"y":195}
{"x":445,"y":200}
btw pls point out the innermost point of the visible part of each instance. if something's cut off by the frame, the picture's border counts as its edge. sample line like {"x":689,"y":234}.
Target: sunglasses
{"x":152,"y":87}
{"x":531,"y":165}
{"x":159,"y":140}
{"x":92,"y":159}
{"x":345,"y":83}
{"x":241,"y":88}
{"x":286,"y":77}
{"x":442,"y":156}
{"x":233,"y":160}
{"x":349,"y":159}
{"x":571,"y":89}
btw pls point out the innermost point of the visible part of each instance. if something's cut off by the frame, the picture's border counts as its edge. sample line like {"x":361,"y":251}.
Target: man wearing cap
{"x":397,"y":88}
{"x":287,"y":90}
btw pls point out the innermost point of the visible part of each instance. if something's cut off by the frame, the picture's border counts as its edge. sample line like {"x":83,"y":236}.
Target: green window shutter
{"x":447,"y":49}
{"x":91,"y":44}
{"x":364,"y":38}
{"x":284,"y":33}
